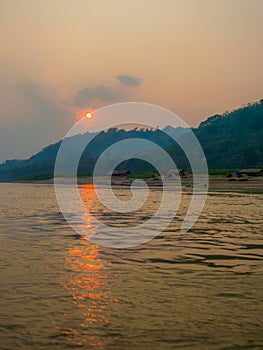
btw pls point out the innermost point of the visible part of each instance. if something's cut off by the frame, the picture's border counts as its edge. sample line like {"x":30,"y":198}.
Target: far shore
{"x":216,"y":183}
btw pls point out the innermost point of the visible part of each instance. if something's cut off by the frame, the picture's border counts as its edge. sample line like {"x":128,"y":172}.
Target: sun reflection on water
{"x":89,"y":285}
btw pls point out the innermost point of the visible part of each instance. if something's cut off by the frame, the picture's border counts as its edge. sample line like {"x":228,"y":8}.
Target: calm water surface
{"x":198,"y":290}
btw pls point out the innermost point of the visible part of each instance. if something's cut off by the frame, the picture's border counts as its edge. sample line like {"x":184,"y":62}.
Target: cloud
{"x":129,"y":81}
{"x":31,"y":116}
{"x":43,"y":108}
{"x":87,"y":95}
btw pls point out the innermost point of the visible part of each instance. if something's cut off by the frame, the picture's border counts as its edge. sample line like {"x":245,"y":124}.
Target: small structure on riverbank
{"x":173,"y":173}
{"x":237,"y":176}
{"x":121,"y":172}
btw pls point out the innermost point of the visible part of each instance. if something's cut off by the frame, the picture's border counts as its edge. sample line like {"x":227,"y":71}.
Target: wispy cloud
{"x":129,"y":81}
{"x":87,"y":95}
{"x":32,"y":117}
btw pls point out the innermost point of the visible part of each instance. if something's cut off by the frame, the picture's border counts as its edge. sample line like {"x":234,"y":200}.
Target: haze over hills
{"x":44,"y":161}
{"x":231,"y":140}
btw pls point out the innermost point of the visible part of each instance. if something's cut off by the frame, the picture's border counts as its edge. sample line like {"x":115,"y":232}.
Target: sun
{"x":88,"y":115}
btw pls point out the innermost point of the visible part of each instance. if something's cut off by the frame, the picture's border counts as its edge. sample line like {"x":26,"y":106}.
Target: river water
{"x":197,"y":290}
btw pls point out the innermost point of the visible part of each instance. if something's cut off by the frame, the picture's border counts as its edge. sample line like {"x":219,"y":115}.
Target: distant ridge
{"x":231,"y":140}
{"x":41,"y":165}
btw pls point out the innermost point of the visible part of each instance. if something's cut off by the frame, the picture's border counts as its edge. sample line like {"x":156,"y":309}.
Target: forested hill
{"x":231,"y":140}
{"x":234,"y":140}
{"x":42,"y":163}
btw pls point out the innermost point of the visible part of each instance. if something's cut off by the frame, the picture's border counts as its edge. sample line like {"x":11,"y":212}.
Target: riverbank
{"x":216,"y":183}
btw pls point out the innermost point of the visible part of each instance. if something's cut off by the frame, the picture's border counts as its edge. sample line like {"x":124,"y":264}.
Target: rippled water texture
{"x":197,"y":290}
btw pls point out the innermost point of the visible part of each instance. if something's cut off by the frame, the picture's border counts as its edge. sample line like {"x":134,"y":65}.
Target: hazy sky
{"x":58,"y":58}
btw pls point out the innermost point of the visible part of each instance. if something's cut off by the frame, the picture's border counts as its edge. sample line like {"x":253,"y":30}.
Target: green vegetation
{"x":233,"y":140}
{"x":222,"y":172}
{"x":37,"y":177}
{"x":84,"y":175}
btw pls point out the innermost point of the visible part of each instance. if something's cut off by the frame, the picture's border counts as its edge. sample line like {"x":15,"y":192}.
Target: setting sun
{"x":88,"y":115}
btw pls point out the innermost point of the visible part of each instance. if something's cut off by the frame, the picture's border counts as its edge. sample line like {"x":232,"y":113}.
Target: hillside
{"x":234,"y":140}
{"x":41,"y":165}
{"x":231,"y":140}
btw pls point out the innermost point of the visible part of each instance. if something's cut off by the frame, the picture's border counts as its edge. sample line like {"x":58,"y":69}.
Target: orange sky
{"x":196,"y":58}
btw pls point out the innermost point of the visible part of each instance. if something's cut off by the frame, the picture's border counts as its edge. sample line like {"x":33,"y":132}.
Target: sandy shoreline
{"x":216,"y":183}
